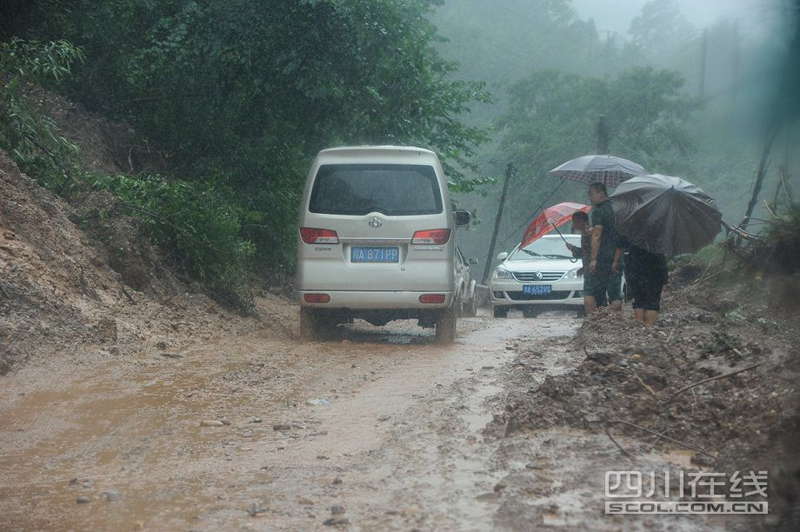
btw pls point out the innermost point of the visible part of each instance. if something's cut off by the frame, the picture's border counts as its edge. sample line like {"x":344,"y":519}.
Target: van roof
{"x":375,"y":150}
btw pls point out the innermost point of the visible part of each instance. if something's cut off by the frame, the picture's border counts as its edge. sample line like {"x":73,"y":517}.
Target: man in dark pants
{"x":646,"y":275}
{"x":604,"y":244}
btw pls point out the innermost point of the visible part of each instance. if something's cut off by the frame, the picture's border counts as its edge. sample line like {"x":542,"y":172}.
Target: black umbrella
{"x":607,"y":169}
{"x":666,"y":215}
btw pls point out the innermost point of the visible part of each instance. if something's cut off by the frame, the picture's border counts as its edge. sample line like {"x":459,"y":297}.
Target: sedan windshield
{"x":547,"y":248}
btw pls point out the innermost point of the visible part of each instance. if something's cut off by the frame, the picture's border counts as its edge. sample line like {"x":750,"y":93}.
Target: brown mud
{"x":382,"y":430}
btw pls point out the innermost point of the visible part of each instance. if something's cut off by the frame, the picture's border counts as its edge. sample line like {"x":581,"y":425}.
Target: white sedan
{"x":542,"y":275}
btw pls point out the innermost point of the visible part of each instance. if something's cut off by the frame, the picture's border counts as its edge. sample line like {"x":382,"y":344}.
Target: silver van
{"x":377,"y":241}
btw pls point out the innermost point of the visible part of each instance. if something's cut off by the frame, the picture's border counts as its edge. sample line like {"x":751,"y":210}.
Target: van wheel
{"x":309,"y":325}
{"x":500,"y":312}
{"x":446,"y":326}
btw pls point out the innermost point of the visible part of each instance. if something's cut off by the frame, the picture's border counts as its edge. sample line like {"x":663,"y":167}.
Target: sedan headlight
{"x":572,"y":274}
{"x":502,"y":273}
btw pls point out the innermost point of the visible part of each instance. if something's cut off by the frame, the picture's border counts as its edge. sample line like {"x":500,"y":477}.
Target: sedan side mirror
{"x":502,"y":256}
{"x":462,"y":217}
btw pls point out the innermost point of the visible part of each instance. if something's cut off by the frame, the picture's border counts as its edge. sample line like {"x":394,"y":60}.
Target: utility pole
{"x":735,"y":62}
{"x":701,"y":91}
{"x":510,"y":171}
{"x":602,"y":136}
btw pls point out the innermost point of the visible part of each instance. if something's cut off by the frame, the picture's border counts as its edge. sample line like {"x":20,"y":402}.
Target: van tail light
{"x":316,"y":298}
{"x":310,"y":235}
{"x":431,"y":298}
{"x":431,"y":237}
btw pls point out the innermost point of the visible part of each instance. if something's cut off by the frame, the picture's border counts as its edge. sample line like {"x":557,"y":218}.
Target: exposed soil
{"x":382,"y":430}
{"x":60,"y":295}
{"x":628,"y":379}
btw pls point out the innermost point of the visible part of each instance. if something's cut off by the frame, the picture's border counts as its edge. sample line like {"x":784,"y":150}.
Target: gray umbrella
{"x":665,"y":214}
{"x":607,"y":169}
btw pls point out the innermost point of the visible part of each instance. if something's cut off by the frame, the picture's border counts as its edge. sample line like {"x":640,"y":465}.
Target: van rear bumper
{"x":374,"y":299}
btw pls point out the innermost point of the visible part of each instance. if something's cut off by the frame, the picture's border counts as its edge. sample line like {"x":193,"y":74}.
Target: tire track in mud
{"x":398,"y":444}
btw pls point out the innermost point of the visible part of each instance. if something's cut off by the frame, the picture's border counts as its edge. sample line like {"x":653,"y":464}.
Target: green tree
{"x":552,"y":117}
{"x":244,"y":93}
{"x":660,"y":27}
{"x":31,"y":138}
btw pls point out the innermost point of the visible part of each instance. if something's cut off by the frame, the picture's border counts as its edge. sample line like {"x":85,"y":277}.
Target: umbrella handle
{"x":564,"y":239}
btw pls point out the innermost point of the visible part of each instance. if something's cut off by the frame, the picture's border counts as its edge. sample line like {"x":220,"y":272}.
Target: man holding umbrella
{"x":605,"y":250}
{"x":660,"y":217}
{"x":601,"y":171}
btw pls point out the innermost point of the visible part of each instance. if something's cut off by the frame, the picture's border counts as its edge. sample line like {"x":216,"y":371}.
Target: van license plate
{"x":537,"y":289}
{"x":362,"y":254}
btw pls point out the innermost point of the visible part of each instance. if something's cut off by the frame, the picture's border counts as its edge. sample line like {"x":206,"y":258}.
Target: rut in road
{"x":199,"y":438}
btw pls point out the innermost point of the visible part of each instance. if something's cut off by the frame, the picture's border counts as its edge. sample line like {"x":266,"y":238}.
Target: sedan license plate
{"x":537,"y":289}
{"x":367,"y":254}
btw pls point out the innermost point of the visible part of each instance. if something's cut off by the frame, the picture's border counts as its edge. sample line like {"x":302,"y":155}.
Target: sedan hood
{"x":540,"y":265}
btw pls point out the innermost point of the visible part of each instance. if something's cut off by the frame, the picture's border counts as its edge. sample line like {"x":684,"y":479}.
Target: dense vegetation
{"x":239,"y":95}
{"x":679,"y":99}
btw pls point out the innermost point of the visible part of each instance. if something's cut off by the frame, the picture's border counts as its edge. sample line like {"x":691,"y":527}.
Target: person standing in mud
{"x":580,"y":225}
{"x":646,"y":275}
{"x":605,"y":250}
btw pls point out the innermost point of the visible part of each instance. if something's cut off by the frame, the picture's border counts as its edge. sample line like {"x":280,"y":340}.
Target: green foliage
{"x":659,"y":26}
{"x":553,"y":116}
{"x":245,"y":93}
{"x":197,"y":224}
{"x":25,"y":133}
{"x":778,"y":249}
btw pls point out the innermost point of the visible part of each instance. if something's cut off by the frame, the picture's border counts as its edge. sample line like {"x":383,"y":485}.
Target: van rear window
{"x":391,"y":189}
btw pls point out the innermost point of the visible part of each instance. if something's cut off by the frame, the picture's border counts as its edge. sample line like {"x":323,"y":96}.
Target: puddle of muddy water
{"x":142,"y":436}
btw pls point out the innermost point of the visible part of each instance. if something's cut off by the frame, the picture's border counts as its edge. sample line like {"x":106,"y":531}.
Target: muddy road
{"x":383,"y":430}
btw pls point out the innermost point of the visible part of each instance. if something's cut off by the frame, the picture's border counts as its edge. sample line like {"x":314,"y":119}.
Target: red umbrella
{"x":551,"y":218}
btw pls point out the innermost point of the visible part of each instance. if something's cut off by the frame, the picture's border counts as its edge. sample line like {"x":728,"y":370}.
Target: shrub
{"x":198,"y":224}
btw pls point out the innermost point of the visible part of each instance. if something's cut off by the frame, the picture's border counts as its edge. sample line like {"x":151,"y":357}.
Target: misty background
{"x":719,"y":58}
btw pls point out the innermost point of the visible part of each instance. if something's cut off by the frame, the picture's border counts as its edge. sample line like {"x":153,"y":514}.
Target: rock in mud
{"x":82,"y":499}
{"x":600,"y":357}
{"x":107,"y":329}
{"x":110,"y":495}
{"x":337,"y":509}
{"x":282,"y":427}
{"x":211,"y":423}
{"x":255,"y":510}
{"x":336,"y":521}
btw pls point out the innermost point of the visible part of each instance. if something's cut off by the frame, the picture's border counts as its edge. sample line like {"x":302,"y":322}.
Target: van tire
{"x":309,"y":325}
{"x":500,"y":312}
{"x":446,"y":326}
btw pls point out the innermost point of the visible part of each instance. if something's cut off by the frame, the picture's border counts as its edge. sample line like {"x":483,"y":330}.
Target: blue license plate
{"x":537,"y":289}
{"x":366,"y":254}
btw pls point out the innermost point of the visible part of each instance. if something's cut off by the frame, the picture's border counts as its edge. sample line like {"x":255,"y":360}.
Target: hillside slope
{"x":81,"y":277}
